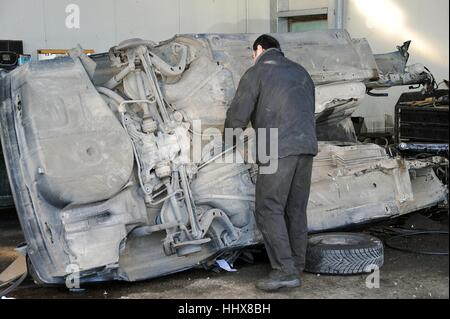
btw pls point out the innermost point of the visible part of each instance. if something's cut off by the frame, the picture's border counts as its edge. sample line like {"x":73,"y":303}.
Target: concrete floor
{"x":404,"y":275}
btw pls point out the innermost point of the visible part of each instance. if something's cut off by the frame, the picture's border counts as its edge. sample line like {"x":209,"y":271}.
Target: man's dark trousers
{"x":281,"y":203}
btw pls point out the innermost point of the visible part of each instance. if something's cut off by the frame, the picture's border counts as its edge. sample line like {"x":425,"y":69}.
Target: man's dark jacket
{"x":277,"y":93}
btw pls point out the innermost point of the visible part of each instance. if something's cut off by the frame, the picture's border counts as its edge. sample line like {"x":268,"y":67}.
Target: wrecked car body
{"x":98,"y":153}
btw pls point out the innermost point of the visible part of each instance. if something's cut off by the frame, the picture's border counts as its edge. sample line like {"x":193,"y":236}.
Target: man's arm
{"x":244,"y":102}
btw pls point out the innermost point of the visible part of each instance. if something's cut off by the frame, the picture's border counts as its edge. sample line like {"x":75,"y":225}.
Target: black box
{"x":15,"y":46}
{"x":421,"y":124}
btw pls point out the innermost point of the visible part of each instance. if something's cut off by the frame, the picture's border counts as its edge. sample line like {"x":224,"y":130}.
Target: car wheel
{"x":344,"y":253}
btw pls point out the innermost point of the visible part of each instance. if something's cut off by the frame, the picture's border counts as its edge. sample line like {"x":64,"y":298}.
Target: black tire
{"x":343,"y":254}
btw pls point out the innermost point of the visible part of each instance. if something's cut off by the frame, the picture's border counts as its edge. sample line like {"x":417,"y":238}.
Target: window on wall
{"x":307,"y":23}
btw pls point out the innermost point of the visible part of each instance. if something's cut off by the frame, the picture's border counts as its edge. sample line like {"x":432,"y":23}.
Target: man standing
{"x":279,"y":93}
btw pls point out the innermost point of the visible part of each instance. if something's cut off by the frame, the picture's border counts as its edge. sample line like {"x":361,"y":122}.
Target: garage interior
{"x":405,"y":120}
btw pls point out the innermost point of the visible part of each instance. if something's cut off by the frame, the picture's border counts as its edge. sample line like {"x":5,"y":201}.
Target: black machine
{"x":8,"y":60}
{"x":10,"y":50}
{"x":421,"y":123}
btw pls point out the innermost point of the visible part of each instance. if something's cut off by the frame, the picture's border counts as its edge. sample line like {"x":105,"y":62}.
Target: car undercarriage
{"x":98,"y":151}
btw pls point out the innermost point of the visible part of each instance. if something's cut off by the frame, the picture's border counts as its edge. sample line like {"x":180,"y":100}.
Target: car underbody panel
{"x":98,"y":154}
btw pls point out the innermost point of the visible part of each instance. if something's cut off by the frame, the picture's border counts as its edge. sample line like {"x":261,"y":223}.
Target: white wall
{"x":388,"y":23}
{"x":104,"y":23}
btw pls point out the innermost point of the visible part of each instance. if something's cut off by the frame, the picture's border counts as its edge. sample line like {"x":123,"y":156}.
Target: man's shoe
{"x":277,"y":280}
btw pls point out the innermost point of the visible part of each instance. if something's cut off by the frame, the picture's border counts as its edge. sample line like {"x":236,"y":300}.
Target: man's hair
{"x":267,"y":42}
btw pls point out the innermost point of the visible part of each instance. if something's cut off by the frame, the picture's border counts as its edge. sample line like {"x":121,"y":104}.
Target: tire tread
{"x":349,"y":260}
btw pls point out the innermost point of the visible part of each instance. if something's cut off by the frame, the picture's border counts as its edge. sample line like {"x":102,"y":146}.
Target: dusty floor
{"x":404,"y":275}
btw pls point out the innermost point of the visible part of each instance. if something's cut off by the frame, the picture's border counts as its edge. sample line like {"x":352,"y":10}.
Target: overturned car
{"x":98,"y":152}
